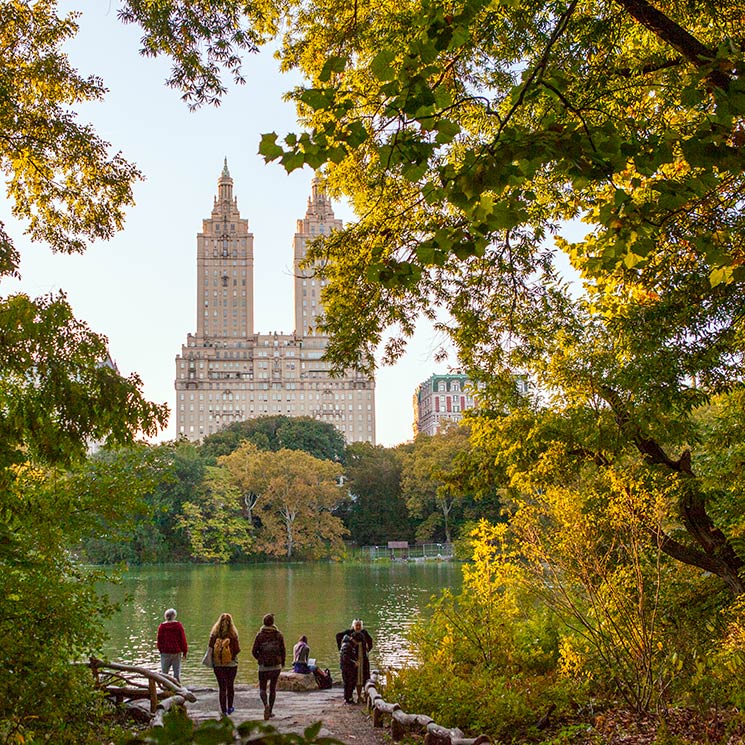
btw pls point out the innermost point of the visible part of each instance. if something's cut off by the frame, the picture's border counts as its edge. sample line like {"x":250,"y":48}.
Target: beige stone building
{"x":226,"y":372}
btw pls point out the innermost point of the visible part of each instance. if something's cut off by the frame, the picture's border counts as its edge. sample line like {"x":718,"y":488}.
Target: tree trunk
{"x":713,"y":551}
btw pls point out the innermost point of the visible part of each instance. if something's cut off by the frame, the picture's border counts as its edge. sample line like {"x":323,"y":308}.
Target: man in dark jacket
{"x":348,"y":664}
{"x":269,"y":651}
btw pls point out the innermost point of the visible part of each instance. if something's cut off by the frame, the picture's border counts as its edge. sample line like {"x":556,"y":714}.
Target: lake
{"x":315,"y":599}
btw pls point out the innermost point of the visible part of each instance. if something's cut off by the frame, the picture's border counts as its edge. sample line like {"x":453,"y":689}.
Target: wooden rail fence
{"x":402,"y":723}
{"x":129,"y":683}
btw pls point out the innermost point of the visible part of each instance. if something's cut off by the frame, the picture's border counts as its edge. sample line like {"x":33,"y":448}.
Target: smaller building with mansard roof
{"x":441,"y":399}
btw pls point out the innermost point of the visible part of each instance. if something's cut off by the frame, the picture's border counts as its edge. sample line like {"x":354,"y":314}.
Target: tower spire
{"x":319,"y":205}
{"x":224,"y":188}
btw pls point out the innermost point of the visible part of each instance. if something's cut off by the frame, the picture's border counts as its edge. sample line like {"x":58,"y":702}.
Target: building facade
{"x":441,"y":399}
{"x":228,"y":373}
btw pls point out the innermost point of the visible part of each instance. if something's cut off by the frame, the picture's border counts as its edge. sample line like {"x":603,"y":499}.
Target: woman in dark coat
{"x":269,"y":650}
{"x":348,"y":664}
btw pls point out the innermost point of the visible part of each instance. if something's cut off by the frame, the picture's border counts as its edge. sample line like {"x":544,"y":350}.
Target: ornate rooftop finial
{"x":319,"y":205}
{"x":225,"y":172}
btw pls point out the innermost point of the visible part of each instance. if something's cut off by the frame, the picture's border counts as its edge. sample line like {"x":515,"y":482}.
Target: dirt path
{"x":293,"y":712}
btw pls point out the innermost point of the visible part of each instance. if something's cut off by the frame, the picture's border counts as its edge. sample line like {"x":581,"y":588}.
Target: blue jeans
{"x":168,"y":660}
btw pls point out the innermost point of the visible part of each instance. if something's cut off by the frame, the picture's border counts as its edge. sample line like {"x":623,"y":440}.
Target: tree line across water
{"x":281,"y":487}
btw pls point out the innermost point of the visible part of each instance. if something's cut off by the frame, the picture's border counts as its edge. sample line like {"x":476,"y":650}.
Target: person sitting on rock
{"x":300,"y":655}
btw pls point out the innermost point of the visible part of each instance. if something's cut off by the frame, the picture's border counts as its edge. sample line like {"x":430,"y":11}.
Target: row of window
{"x":192,"y":431}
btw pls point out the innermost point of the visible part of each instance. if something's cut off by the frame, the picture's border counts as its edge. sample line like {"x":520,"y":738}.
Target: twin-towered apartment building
{"x":227,"y":372}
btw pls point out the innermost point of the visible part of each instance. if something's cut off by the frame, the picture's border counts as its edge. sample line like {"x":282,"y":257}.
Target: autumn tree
{"x":466,"y":135}
{"x":430,"y":479}
{"x":242,"y":469}
{"x":295,"y":496}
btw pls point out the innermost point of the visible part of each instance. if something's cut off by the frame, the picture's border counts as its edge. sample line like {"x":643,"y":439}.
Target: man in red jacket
{"x":172,"y":644}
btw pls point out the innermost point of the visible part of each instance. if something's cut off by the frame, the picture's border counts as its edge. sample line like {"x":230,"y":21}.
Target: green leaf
{"x":447,"y":130}
{"x":721,"y":275}
{"x":268,"y":147}
{"x":317,"y":98}
{"x":381,"y":65}
{"x":332,"y":65}
{"x":311,"y":732}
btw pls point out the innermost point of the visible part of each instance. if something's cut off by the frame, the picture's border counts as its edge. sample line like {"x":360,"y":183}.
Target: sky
{"x":139,"y":289}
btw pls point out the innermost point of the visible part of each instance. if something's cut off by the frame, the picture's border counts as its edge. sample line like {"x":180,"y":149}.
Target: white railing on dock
{"x":401,"y":551}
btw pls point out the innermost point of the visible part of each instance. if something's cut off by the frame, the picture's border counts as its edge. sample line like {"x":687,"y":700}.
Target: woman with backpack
{"x":269,"y":651}
{"x":225,"y":648}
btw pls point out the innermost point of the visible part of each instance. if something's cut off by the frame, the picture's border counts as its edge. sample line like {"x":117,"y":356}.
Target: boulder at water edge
{"x":289,"y":681}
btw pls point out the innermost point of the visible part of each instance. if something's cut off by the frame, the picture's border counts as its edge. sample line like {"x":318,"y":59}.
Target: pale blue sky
{"x":139,"y":288}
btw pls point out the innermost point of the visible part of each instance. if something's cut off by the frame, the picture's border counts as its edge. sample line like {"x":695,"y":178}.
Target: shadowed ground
{"x":293,"y":712}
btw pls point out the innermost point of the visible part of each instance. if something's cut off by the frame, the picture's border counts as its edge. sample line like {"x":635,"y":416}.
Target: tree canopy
{"x":377,"y":511}
{"x":319,"y":439}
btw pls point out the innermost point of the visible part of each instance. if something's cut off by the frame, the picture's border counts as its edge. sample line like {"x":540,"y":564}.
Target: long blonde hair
{"x":224,"y":627}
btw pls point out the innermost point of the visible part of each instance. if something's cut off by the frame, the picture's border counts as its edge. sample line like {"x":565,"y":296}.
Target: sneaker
{"x":267,"y":711}
{"x":231,"y":709}
{"x":348,"y":701}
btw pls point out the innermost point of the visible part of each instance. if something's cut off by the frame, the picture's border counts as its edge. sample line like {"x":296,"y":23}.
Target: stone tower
{"x":225,"y":265}
{"x":227,"y":372}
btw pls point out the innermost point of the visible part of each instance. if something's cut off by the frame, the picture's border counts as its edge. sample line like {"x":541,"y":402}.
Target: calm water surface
{"x":313,"y":599}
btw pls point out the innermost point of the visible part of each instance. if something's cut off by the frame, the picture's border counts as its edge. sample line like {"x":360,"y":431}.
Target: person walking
{"x":225,"y":648}
{"x":348,"y":663}
{"x":269,"y":651}
{"x":300,"y":656}
{"x":364,"y":642}
{"x":171,"y":644}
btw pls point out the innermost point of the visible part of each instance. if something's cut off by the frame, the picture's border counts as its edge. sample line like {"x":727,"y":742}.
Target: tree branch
{"x":677,"y":37}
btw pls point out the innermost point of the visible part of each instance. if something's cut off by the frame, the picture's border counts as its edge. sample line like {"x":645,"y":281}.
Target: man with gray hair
{"x":171,"y":644}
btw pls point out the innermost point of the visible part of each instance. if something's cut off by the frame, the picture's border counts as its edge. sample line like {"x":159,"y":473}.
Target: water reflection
{"x":313,"y":599}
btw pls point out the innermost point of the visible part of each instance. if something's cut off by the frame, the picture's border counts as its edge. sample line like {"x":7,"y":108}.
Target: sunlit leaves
{"x":64,"y":184}
{"x":202,"y":40}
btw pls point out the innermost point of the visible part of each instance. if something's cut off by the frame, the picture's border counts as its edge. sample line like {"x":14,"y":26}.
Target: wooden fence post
{"x":153,"y":695}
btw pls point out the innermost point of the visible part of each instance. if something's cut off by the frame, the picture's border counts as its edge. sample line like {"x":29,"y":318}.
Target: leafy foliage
{"x":62,"y":179}
{"x":178,"y":728}
{"x":433,"y":481}
{"x":275,"y":503}
{"x":153,"y":533}
{"x":465,"y":136}
{"x":56,"y":393}
{"x":320,"y":439}
{"x":50,"y":611}
{"x":216,"y":522}
{"x":298,"y":496}
{"x":202,"y":40}
{"x":377,"y":512}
